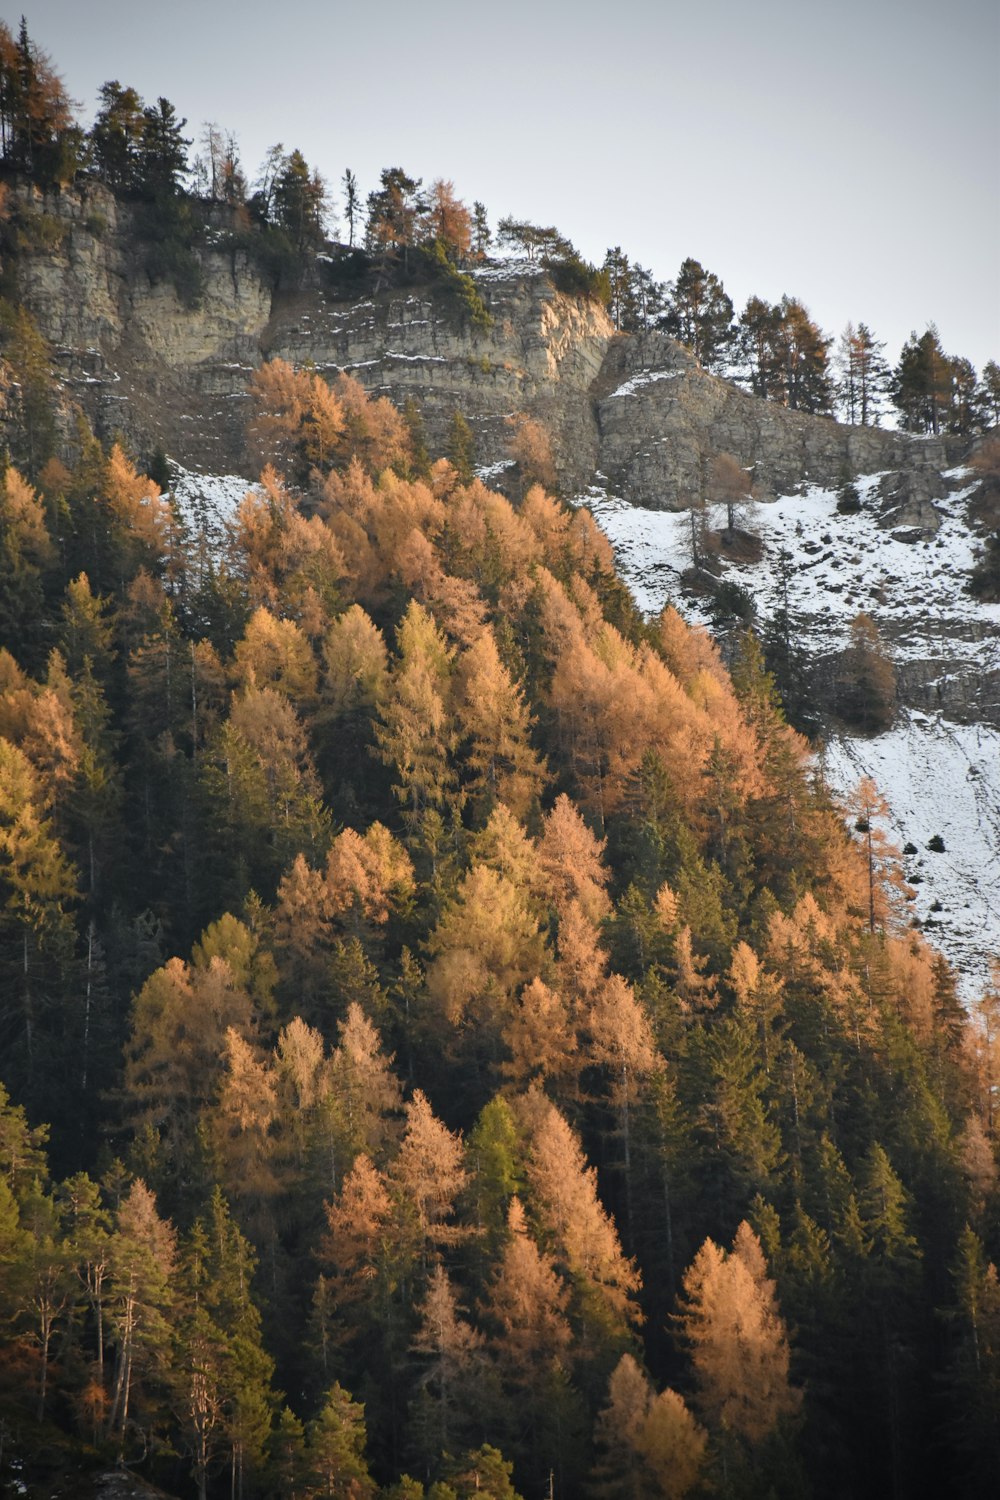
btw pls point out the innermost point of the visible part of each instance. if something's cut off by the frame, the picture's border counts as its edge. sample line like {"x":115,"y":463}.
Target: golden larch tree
{"x":580,"y":1231}
{"x":649,"y":1444}
{"x":494,"y":718}
{"x":737,"y":1339}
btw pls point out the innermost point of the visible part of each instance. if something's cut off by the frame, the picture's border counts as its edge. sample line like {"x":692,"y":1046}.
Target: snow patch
{"x":942,"y":782}
{"x":644,"y":378}
{"x":507,"y":270}
{"x":836,"y":566}
{"x":494,"y":471}
{"x":206,"y":504}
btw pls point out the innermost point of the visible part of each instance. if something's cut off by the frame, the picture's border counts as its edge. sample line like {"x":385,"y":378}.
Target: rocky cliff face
{"x":634,"y":412}
{"x":142,"y":363}
{"x":661,"y":419}
{"x":128,"y":350}
{"x":542,"y":355}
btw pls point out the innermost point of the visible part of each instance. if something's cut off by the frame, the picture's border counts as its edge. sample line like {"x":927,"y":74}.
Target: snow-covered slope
{"x":839,"y":565}
{"x":942,"y":781}
{"x":205,"y":504}
{"x":941,"y":778}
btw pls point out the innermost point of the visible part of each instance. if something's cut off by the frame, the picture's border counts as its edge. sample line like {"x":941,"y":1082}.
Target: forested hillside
{"x":443,"y":1018}
{"x":450,"y":1043}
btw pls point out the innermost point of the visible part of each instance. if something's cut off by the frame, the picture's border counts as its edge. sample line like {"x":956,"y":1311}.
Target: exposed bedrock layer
{"x":636,"y":411}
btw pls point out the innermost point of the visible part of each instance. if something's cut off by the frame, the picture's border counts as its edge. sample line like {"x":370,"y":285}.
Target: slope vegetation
{"x":473,"y":1047}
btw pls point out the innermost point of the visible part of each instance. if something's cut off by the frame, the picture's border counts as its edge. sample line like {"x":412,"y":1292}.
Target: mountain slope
{"x":940,"y":765}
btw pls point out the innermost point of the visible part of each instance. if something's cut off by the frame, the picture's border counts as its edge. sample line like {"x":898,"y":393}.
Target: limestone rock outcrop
{"x":662,"y":419}
{"x":128,"y":349}
{"x":541,"y":355}
{"x":634,"y":413}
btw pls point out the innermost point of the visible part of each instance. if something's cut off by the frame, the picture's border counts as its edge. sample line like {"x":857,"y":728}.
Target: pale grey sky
{"x":846,"y":152}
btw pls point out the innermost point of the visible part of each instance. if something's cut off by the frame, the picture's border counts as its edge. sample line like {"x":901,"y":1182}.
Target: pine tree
{"x":263,"y":793}
{"x":25,"y":552}
{"x":352,"y":203}
{"x":198,"y":1365}
{"x":531,"y":450}
{"x":48,"y":1288}
{"x":882,"y":857}
{"x":571,"y":859}
{"x":364,"y":1085}
{"x":921,"y":383}
{"x":493,"y":715}
{"x":965,"y":414}
{"x":527,"y":1303}
{"x":300,"y":202}
{"x":700,"y":314}
{"x":396,"y":211}
{"x":541,"y":1040}
{"x":144,"y":1261}
{"x":37,"y":888}
{"x":37,"y":133}
{"x":162,"y":154}
{"x":731,"y":485}
{"x":288,"y":1457}
{"x":889,"y":1274}
{"x":451,"y":1379}
{"x":116,"y":136}
{"x":428,"y":1175}
{"x":481,"y":236}
{"x":417,"y":731}
{"x":802,"y":353}
{"x":974,"y":1367}
{"x":735,"y":1114}
{"x":241,"y":1129}
{"x":759,"y":350}
{"x":494,"y":1159}
{"x":526,"y":1307}
{"x":87,"y":1229}
{"x":361,"y":1257}
{"x":622,"y":1043}
{"x":249,"y":1401}
{"x":335,"y":1445}
{"x":460,"y":448}
{"x":485,"y":947}
{"x":866,"y":680}
{"x":988,"y":398}
{"x":648,"y":297}
{"x":621,"y":305}
{"x":28,"y":357}
{"x":484,"y":1472}
{"x":580,"y":1233}
{"x":648,"y":1444}
{"x":174,"y":1056}
{"x":276,"y":653}
{"x":449,"y":221}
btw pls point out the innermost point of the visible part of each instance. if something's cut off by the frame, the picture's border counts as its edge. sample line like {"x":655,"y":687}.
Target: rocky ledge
{"x":636,"y":412}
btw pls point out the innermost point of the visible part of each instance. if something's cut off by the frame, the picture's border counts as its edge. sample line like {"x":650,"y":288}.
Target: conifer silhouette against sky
{"x":844,"y":154}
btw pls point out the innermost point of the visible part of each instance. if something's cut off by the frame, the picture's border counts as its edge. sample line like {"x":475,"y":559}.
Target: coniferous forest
{"x":450,"y":1043}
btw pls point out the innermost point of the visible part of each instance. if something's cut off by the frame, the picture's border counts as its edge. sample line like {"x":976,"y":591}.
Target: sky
{"x":845,"y":153}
